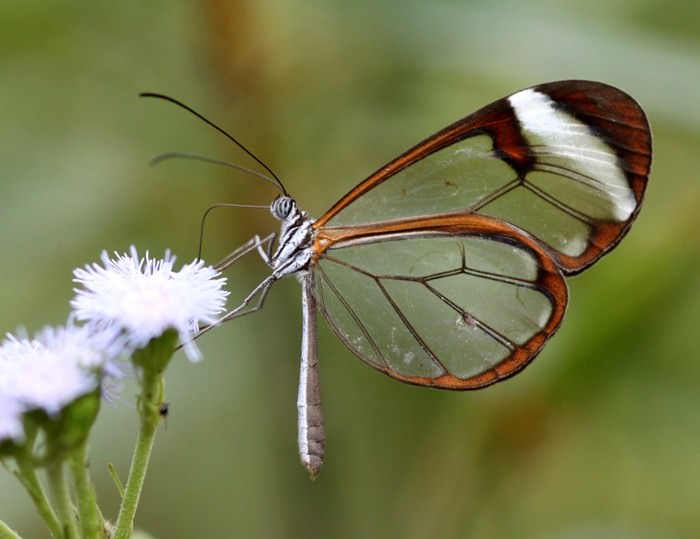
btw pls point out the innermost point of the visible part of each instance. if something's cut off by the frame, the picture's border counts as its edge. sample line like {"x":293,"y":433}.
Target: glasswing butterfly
{"x":446,"y":267}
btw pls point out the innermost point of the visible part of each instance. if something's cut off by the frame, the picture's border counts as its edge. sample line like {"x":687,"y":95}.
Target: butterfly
{"x":447,"y":267}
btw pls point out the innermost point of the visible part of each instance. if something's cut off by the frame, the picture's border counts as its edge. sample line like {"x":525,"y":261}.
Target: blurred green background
{"x":600,"y":437}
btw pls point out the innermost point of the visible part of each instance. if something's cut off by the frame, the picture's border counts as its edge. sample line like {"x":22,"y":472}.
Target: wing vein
{"x":553,"y":201}
{"x":473,"y":320}
{"x":351,"y":312}
{"x":421,"y":342}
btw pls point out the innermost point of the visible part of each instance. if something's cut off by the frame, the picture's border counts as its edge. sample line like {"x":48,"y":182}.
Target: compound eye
{"x":281,"y":207}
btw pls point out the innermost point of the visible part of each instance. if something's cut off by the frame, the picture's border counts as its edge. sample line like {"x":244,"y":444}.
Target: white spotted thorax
{"x":294,"y":249}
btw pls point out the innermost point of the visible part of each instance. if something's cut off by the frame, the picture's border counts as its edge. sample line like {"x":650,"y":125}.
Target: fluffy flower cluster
{"x":143,"y":297}
{"x":123,"y":304}
{"x":48,"y":372}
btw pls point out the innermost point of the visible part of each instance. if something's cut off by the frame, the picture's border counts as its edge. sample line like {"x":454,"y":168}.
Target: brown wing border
{"x":550,"y":280}
{"x":612,"y":115}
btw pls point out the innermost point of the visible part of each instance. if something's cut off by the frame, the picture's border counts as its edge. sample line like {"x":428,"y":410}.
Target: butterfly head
{"x":282,"y":207}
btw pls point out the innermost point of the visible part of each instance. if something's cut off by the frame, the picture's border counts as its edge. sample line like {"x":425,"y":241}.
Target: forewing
{"x":566,"y":161}
{"x":455,"y":302}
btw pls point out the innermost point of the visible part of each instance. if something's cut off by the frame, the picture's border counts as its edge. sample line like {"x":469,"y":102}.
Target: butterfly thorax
{"x":295,"y":240}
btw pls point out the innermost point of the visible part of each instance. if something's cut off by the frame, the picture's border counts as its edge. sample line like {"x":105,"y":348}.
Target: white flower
{"x":143,"y":297}
{"x":10,"y":419}
{"x":48,"y":372}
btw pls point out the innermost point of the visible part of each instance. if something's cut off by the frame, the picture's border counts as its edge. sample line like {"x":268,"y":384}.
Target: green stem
{"x":59,"y":490}
{"x":91,"y":519}
{"x":6,"y":532}
{"x":26,"y":474}
{"x":151,"y":361}
{"x":151,"y":397}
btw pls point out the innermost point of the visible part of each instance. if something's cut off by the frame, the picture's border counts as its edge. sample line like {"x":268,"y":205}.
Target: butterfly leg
{"x":266,"y":254}
{"x":245,"y":308}
{"x":259,"y":291}
{"x":255,"y":243}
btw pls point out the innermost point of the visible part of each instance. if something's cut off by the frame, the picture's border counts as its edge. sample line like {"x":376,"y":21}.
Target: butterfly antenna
{"x":276,"y":180}
{"x":197,"y":157}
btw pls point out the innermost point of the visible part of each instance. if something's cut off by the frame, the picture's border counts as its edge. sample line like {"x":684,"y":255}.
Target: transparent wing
{"x":455,"y":302}
{"x":566,"y":161}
